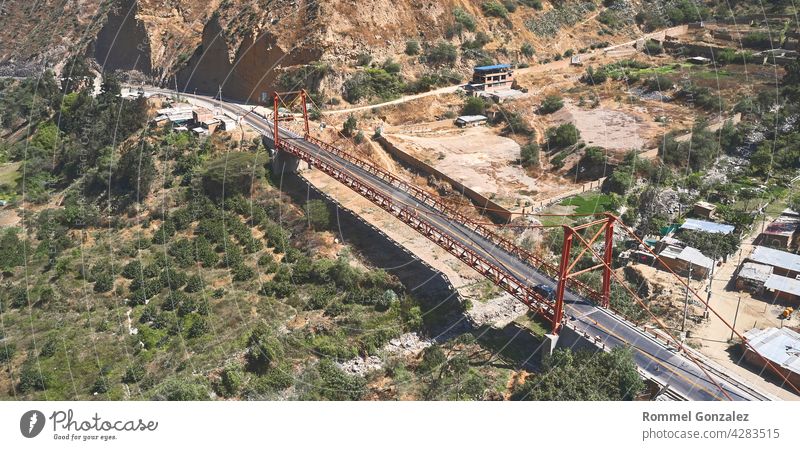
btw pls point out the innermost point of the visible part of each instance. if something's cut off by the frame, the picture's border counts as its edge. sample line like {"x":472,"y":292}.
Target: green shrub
{"x":492,"y":8}
{"x":464,"y":19}
{"x":441,"y":53}
{"x":529,"y":154}
{"x":412,"y":48}
{"x":474,"y":106}
{"x":527,"y":50}
{"x":551,"y":104}
{"x":563,"y":136}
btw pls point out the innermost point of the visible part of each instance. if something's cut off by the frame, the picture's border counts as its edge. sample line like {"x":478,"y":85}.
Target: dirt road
{"x":714,"y":334}
{"x":539,"y":68}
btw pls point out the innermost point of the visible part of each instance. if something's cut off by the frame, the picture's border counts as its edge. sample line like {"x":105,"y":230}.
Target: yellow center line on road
{"x":520,"y":276}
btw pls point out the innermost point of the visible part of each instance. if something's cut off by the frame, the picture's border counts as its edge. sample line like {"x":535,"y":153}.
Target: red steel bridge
{"x":575,"y":307}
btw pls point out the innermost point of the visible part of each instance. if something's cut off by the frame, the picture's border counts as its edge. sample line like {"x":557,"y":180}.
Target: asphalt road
{"x":657,"y":360}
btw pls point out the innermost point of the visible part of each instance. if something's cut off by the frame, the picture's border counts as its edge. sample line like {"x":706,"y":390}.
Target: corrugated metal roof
{"x":783,"y":284}
{"x":694,"y":256}
{"x":779,"y":345}
{"x":708,"y":227}
{"x":757,"y":272}
{"x":670,"y":251}
{"x":475,"y":118}
{"x":776,"y":258}
{"x":783,"y":226}
{"x":492,"y":67}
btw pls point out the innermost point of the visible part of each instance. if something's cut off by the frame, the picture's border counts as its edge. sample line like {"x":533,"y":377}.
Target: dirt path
{"x":713,"y":335}
{"x":551,"y":66}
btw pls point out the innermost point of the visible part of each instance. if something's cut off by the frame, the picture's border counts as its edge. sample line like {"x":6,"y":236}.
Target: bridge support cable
{"x":498,"y":275}
{"x":704,"y":302}
{"x":641,"y":302}
{"x":534,"y":261}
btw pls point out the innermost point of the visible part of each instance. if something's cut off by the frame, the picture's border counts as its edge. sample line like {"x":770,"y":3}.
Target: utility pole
{"x":733,"y":328}
{"x":710,"y":285}
{"x":686,"y":301}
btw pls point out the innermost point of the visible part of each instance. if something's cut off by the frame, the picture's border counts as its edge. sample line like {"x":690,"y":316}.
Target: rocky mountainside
{"x":250,"y":47}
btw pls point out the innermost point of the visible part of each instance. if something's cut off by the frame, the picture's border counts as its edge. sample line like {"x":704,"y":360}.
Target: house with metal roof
{"x":471,"y":121}
{"x":496,"y":77}
{"x":783,"y":289}
{"x":707,"y":227}
{"x":780,"y":346}
{"x":784,"y":263}
{"x":782,"y":233}
{"x":752,"y":276}
{"x":681,"y":259}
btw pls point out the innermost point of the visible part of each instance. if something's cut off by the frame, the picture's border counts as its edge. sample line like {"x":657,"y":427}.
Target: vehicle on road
{"x":545,"y":291}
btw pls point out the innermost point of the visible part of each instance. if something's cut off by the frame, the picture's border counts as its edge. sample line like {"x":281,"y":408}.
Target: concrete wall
{"x":497,"y":212}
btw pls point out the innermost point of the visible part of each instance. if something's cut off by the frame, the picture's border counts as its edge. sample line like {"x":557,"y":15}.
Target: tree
{"x":473,"y":106}
{"x":494,"y":9}
{"x":565,"y":135}
{"x":317,"y":214}
{"x":581,"y":376}
{"x":11,"y":250}
{"x":350,"y":125}
{"x":697,"y":153}
{"x":551,"y":104}
{"x":134,"y":173}
{"x":529,"y":154}
{"x":104,"y":282}
{"x":412,"y":48}
{"x":233,"y":174}
{"x":334,"y":384}
{"x":231,"y":380}
{"x":713,"y":245}
{"x":7,"y":351}
{"x":441,"y":53}
{"x":527,"y":50}
{"x":264,"y":349}
{"x":593,"y":76}
{"x":32,"y":378}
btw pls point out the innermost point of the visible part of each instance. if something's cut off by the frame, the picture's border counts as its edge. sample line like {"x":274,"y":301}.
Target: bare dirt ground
{"x":617,"y":127}
{"x":712,"y":337}
{"x":485,"y":162}
{"x":9,"y":218}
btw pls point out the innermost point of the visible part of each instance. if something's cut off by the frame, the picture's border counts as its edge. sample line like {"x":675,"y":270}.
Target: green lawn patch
{"x":589,"y":203}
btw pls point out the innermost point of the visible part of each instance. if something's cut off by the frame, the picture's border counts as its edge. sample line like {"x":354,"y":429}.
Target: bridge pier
{"x":283,"y":162}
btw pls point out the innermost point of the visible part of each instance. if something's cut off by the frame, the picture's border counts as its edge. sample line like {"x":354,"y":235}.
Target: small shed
{"x":228,"y":124}
{"x":471,"y":121}
{"x":698,"y":60}
{"x":783,"y":232}
{"x":680,"y":259}
{"x":704,"y":209}
{"x":201,"y":114}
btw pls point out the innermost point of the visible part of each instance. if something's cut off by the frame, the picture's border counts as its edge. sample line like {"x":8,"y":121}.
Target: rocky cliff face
{"x":244,"y":47}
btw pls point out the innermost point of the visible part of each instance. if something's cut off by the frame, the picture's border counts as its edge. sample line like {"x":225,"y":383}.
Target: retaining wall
{"x":485,"y":205}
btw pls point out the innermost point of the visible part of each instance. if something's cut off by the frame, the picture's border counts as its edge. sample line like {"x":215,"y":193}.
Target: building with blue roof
{"x":491,"y":78}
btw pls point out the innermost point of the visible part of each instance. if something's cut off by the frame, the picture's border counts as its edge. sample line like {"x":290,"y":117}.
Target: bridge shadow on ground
{"x":444,"y":316}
